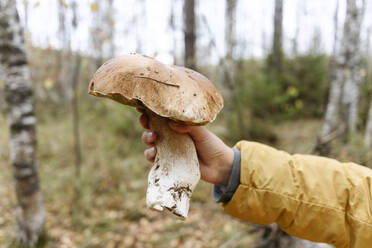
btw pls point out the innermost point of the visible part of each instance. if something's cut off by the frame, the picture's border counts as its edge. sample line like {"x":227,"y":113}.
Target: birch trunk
{"x":189,"y":33}
{"x":172,"y":26}
{"x":229,"y":69}
{"x":368,"y":135}
{"x":277,"y":50}
{"x":75,"y":98}
{"x":345,"y":86}
{"x":20,"y":113}
{"x":351,"y":59}
{"x":330,"y":117}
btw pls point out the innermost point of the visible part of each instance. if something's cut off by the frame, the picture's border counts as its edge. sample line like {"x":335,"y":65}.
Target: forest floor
{"x":106,"y":207}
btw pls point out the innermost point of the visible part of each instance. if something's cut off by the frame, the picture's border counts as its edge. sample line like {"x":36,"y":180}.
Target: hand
{"x":215,"y":157}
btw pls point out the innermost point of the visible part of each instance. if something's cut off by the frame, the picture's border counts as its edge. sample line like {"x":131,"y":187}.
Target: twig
{"x":158,"y":81}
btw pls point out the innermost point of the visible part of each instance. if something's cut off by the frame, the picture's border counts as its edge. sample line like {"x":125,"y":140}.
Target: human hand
{"x":215,"y":157}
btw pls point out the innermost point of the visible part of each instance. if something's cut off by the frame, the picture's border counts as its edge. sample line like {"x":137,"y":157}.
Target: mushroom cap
{"x":173,"y":92}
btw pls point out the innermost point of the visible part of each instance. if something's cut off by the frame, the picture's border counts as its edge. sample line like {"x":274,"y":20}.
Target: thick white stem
{"x":175,"y":172}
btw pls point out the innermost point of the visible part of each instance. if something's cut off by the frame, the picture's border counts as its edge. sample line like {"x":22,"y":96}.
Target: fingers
{"x":150,"y":154}
{"x":141,"y":110}
{"x":149,"y":138}
{"x":144,"y":121}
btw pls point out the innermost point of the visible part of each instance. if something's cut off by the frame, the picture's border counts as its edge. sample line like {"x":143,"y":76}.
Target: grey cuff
{"x":225,"y":193}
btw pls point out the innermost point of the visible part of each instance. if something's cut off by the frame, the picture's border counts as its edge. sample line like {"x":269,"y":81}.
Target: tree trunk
{"x":351,"y":64}
{"x":189,"y":33}
{"x":368,"y":135}
{"x":102,"y":31}
{"x":140,"y":23}
{"x":76,"y":117}
{"x":20,"y":113}
{"x":229,"y":69}
{"x":277,"y":49}
{"x":347,"y":77}
{"x":172,"y":26}
{"x":75,"y":98}
{"x":64,"y":55}
{"x":330,"y":117}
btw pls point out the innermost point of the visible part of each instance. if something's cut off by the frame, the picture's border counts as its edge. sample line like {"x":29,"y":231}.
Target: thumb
{"x":197,"y":133}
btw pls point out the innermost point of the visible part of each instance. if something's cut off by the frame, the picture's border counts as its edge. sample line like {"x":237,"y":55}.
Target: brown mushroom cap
{"x":170,"y":91}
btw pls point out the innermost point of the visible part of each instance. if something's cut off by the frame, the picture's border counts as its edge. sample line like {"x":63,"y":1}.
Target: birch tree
{"x":230,"y":40}
{"x":368,"y":135}
{"x":18,"y":92}
{"x":275,"y":62}
{"x":172,"y":26}
{"x":352,"y":58}
{"x":189,"y":33}
{"x":102,"y":30}
{"x":64,"y":55}
{"x":75,"y":98}
{"x":344,"y":93}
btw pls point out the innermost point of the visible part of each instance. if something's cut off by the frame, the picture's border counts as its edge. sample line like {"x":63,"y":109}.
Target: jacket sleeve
{"x":314,"y":198}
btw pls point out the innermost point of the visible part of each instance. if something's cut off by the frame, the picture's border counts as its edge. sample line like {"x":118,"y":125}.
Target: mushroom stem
{"x":175,"y":171}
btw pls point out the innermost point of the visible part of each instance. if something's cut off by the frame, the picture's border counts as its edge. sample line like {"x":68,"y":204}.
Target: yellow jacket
{"x":314,"y":198}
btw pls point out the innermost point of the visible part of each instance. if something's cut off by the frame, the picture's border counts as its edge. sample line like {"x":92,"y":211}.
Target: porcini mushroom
{"x":166,"y":92}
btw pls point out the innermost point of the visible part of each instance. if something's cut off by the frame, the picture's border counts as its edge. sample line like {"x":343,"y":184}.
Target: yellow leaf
{"x":94,"y":7}
{"x":25,"y":3}
{"x":299,"y":104}
{"x":292,"y":92}
{"x":36,"y":4}
{"x":48,"y":83}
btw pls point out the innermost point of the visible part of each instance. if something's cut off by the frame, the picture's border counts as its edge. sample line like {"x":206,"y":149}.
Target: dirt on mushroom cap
{"x":170,"y":91}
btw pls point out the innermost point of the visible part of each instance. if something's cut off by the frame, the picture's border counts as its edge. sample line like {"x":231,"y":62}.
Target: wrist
{"x":225,"y":167}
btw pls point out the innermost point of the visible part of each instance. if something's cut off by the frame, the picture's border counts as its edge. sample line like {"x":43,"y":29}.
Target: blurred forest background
{"x":295,"y":74}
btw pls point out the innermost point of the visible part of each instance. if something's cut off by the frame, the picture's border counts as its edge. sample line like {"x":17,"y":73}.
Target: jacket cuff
{"x":225,"y":193}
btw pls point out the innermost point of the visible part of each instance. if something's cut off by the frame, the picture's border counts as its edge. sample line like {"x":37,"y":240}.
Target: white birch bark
{"x":189,"y":33}
{"x":102,"y":31}
{"x":20,"y":114}
{"x":345,"y":86}
{"x":277,"y":49}
{"x":230,"y":40}
{"x":335,"y":91}
{"x":368,"y":135}
{"x":172,"y":26}
{"x":352,"y":72}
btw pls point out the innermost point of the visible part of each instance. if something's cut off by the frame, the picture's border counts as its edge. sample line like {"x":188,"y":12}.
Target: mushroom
{"x":165,"y":92}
